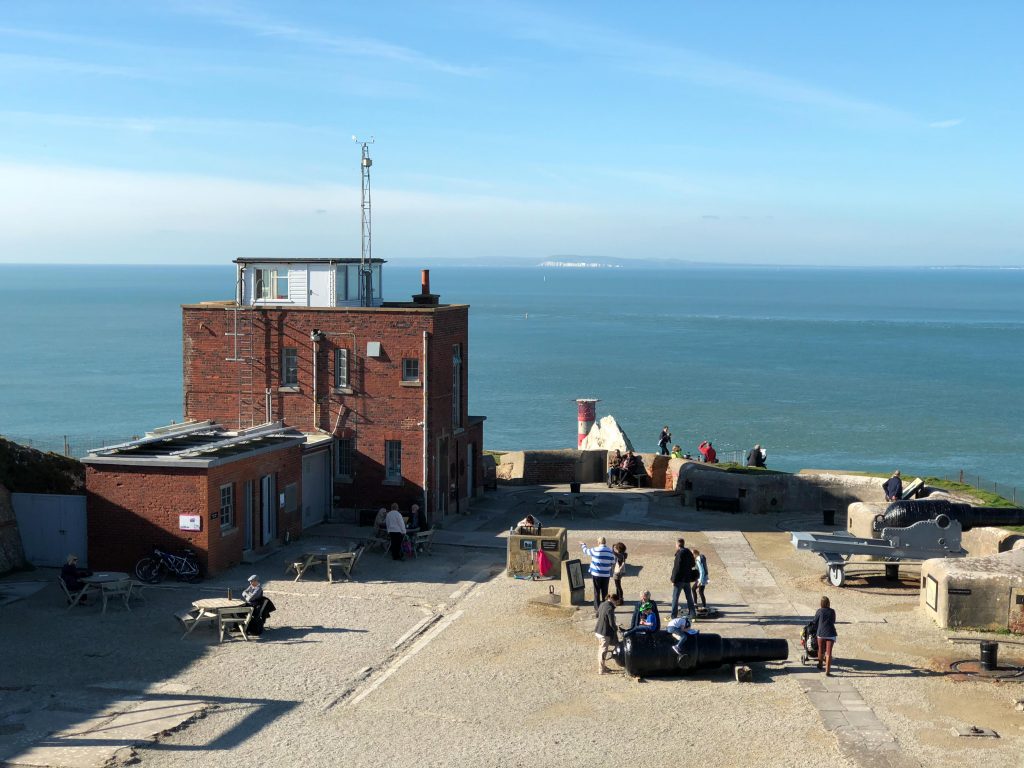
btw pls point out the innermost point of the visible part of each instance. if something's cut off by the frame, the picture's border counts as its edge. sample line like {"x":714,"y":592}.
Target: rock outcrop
{"x":606,"y":435}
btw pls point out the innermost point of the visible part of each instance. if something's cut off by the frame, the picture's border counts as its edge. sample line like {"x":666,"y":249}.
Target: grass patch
{"x":987,"y":497}
{"x":742,"y":469}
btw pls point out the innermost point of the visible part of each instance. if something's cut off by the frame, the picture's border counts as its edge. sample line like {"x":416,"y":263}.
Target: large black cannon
{"x":901,"y":514}
{"x":649,"y":654}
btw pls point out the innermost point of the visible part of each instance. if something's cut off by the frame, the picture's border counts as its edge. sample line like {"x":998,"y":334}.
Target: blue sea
{"x":858,"y":369}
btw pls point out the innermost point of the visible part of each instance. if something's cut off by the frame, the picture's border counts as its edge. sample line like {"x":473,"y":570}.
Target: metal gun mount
{"x":909,"y":530}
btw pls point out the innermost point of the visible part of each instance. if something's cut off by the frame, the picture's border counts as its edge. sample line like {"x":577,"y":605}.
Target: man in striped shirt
{"x":602,"y":559}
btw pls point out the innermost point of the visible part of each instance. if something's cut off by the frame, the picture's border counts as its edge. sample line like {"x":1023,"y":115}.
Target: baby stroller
{"x":809,"y":642}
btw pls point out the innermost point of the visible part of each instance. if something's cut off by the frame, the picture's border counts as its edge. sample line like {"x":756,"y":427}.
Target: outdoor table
{"x":323,"y":555}
{"x":217,"y":609}
{"x":557,"y":501}
{"x":106,"y":583}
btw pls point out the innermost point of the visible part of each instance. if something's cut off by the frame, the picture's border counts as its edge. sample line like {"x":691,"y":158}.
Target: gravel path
{"x":444,"y":661}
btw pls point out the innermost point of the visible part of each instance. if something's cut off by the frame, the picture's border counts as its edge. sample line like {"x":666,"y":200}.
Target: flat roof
{"x":199,"y":444}
{"x":297,"y":260}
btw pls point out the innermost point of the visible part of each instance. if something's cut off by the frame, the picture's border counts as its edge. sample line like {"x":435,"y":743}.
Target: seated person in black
{"x":646,"y":617}
{"x":71,"y":575}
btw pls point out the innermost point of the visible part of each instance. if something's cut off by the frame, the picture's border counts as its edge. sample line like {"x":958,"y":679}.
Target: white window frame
{"x":227,"y":506}
{"x":407,"y":363}
{"x":284,"y":367}
{"x":270,"y":285}
{"x":346,"y":450}
{"x":341,"y":370}
{"x":392,"y":461}
{"x":456,"y":385}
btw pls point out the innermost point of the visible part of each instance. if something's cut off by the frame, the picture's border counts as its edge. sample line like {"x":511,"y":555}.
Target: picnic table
{"x":345,"y":559}
{"x":108,"y":584}
{"x":229,"y":614}
{"x":557,"y":501}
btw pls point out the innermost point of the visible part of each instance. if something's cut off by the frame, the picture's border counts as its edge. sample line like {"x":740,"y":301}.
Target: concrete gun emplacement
{"x":908,"y":530}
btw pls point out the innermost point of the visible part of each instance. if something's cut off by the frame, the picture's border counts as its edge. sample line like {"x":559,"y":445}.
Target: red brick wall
{"x":379,"y":408}
{"x":131,"y":508}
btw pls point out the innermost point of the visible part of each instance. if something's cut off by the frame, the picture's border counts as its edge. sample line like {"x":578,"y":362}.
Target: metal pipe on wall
{"x":428,"y":513}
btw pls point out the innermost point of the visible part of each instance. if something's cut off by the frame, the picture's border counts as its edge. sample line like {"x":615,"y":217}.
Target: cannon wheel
{"x":836,"y":575}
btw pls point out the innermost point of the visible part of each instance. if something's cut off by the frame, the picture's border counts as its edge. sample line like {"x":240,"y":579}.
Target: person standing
{"x":684,"y":573}
{"x":607,"y":633}
{"x":893,"y":487}
{"x":618,"y":570}
{"x":664,"y":440}
{"x":395,"y":525}
{"x":825,"y":631}
{"x":756,"y":456}
{"x":602,"y":560}
{"x":702,"y":578}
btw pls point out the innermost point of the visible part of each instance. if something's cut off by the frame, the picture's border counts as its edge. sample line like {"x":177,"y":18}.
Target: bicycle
{"x":152,"y":568}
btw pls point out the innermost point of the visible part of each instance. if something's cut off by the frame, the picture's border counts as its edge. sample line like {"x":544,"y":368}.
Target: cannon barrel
{"x":649,"y":654}
{"x":901,"y":514}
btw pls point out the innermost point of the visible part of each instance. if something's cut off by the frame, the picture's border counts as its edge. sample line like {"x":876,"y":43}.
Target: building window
{"x":271,"y":285}
{"x":341,"y":368}
{"x":392,"y":461}
{"x":227,"y":506}
{"x":410,"y":369}
{"x":457,"y":385}
{"x":289,"y":367}
{"x":346,"y":457}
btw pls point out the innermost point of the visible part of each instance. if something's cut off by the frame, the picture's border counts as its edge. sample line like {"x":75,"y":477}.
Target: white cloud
{"x":946,"y":123}
{"x":363,"y":47}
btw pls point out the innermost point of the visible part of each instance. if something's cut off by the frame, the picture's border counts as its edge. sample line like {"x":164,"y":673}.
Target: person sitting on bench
{"x":614,"y":468}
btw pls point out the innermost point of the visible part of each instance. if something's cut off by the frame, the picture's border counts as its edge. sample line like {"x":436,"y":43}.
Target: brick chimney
{"x":425,"y":296}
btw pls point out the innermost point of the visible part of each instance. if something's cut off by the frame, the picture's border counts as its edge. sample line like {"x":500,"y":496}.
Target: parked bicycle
{"x":152,"y":568}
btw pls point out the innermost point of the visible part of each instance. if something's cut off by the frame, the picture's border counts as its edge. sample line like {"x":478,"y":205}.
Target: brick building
{"x":311,"y":343}
{"x":195,"y":485}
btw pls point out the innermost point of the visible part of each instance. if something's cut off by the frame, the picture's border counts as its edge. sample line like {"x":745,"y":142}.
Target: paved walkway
{"x":862,"y":737}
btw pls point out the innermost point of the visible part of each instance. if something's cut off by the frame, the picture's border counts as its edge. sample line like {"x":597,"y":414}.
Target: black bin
{"x":990,"y":656}
{"x":574,"y":487}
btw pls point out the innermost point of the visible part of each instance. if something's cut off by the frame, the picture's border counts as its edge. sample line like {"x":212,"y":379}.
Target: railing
{"x":75,"y":446}
{"x":1005,"y":490}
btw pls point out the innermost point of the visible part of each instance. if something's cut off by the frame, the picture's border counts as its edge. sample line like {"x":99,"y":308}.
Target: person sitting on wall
{"x":708,"y":452}
{"x":614,"y":467}
{"x":893,"y":487}
{"x":756,"y":456}
{"x":71,"y":575}
{"x":529,"y":522}
{"x":677,"y":452}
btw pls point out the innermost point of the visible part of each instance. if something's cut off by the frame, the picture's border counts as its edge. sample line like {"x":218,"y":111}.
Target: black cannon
{"x":649,"y":654}
{"x":901,"y":514}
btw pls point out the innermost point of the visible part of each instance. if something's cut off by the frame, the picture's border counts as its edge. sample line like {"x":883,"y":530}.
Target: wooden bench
{"x":718,"y":503}
{"x":187,"y":618}
{"x":423,"y":542}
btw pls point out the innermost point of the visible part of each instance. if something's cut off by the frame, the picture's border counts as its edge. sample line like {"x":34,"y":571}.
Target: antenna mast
{"x":366,"y":253}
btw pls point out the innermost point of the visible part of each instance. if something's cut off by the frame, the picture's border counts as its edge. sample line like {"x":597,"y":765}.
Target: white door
{"x":314,"y":488}
{"x":52,"y":526}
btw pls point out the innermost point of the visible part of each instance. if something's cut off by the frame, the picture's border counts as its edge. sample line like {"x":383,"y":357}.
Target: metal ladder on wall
{"x":243,"y":357}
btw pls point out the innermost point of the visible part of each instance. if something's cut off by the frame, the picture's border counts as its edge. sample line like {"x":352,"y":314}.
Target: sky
{"x":181,"y":132}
